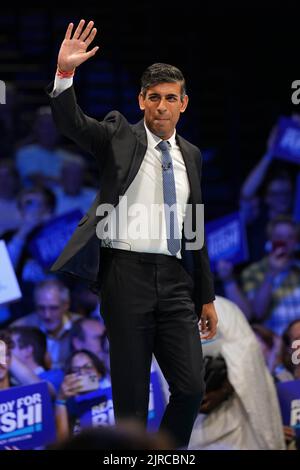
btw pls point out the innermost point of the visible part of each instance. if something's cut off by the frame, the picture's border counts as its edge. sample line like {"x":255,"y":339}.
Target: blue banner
{"x":49,"y":241}
{"x":226,"y":240}
{"x":287,"y":143}
{"x":26,"y":417}
{"x":96,"y":408}
{"x":289,"y":399}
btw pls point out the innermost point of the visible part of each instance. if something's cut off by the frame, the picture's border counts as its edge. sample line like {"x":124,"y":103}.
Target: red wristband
{"x":62,"y":74}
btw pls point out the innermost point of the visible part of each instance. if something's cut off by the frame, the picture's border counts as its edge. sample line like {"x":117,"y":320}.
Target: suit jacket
{"x":119,"y":149}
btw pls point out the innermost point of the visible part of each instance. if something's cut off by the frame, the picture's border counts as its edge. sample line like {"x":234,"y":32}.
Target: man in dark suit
{"x":153,"y":289}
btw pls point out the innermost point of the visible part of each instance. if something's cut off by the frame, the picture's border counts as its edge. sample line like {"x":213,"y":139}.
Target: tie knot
{"x":163,"y":145}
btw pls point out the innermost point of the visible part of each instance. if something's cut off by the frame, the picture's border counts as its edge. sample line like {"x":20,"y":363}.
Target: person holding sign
{"x":85,"y":373}
{"x":155,"y":288}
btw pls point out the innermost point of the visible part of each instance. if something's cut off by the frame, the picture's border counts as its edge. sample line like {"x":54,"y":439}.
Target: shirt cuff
{"x":60,"y":85}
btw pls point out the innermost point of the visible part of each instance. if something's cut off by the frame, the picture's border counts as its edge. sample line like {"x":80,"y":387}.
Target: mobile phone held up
{"x":88,"y":382}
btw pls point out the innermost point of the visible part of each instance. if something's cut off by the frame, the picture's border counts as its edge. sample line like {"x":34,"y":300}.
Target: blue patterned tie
{"x":169,"y":198}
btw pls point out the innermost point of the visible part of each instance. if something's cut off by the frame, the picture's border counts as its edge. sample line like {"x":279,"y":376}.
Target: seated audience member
{"x":276,"y":198}
{"x":30,"y":347}
{"x":71,"y":194}
{"x":243,"y":411}
{"x":272,"y":284}
{"x":277,"y":201}
{"x":40,"y":161}
{"x":36,"y":207}
{"x":90,"y":334}
{"x":82,"y":368}
{"x":9,"y":185}
{"x":12,"y":370}
{"x":52,"y":316}
{"x":287,"y":369}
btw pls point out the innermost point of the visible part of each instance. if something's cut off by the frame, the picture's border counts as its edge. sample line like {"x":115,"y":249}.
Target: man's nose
{"x":162,"y":106}
{"x":47,"y":314}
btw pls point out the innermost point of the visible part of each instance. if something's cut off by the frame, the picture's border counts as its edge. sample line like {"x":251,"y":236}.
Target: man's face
{"x":33,"y":206}
{"x":51,"y":309}
{"x":93,"y":334}
{"x":83,"y":365}
{"x":279,"y":195}
{"x":162,"y":106}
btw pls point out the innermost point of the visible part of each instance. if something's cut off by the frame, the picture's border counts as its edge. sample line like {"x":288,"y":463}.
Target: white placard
{"x":9,"y":287}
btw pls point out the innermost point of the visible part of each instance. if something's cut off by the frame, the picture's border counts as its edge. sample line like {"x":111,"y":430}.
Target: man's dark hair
{"x":162,"y":73}
{"x":31,"y":336}
{"x":77,"y":331}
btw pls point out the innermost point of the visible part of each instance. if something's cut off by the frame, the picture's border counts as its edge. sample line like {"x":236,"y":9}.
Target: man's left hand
{"x":208,"y":321}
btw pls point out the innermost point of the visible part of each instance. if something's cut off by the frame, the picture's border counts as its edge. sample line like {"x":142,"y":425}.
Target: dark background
{"x":239,"y":63}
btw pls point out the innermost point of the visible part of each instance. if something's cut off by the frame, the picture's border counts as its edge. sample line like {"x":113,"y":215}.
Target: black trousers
{"x":147,"y":308}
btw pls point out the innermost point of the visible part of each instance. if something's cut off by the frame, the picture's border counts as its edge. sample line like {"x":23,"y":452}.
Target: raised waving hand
{"x":73,"y":50}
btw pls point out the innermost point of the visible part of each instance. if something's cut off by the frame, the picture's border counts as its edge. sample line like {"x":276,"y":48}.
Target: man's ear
{"x":184,"y":103}
{"x":141,"y":101}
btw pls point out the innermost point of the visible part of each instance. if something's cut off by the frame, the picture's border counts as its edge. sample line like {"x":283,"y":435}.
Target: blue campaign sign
{"x":289,"y":399}
{"x":49,"y":241}
{"x":96,"y":408}
{"x":226,"y":239}
{"x":26,"y":417}
{"x":287,"y":143}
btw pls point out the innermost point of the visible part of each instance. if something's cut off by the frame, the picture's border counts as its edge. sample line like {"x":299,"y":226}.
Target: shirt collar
{"x":66,"y":326}
{"x":153,"y":140}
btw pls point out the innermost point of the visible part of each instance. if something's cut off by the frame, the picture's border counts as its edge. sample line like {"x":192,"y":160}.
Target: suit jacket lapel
{"x":140,"y":150}
{"x":189,"y":157}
